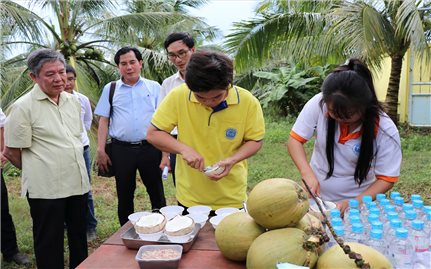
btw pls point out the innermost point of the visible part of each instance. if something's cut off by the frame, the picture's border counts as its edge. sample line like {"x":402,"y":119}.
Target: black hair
{"x":125,"y":50}
{"x":70,"y":69}
{"x":209,"y":70}
{"x":349,"y":88}
{"x":185,"y":37}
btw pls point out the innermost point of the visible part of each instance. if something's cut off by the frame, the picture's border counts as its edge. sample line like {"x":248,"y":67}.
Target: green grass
{"x":271,"y":161}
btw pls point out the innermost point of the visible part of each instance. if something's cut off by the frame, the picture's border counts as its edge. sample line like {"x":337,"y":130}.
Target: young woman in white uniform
{"x":357,"y":147}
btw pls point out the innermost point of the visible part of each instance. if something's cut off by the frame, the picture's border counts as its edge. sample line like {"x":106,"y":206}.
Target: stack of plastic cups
{"x":353,"y":204}
{"x":401,"y":249}
{"x":422,"y":257}
{"x":398,"y":203}
{"x":377,"y":242}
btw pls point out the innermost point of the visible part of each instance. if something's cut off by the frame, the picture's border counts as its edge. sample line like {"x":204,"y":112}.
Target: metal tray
{"x":131,"y":239}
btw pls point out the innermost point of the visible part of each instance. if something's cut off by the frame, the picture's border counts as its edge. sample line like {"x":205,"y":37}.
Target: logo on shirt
{"x":230,"y":133}
{"x":356,"y":148}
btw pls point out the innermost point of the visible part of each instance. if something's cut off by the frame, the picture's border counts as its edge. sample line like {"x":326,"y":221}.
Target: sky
{"x":222,"y":13}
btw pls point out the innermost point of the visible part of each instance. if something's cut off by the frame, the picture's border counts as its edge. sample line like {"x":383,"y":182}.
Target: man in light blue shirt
{"x":133,"y":104}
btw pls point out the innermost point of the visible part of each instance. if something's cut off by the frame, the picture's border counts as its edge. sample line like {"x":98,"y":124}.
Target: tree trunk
{"x":394,"y":87}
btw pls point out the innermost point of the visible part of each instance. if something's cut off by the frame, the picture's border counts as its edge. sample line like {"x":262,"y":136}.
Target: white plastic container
{"x":171,"y":211}
{"x":226,"y":211}
{"x":199,"y":218}
{"x":199,"y":209}
{"x":216,"y":220}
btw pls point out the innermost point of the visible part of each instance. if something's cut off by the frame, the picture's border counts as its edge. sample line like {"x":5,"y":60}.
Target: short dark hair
{"x":208,"y":70}
{"x":185,"y":37}
{"x":70,"y":69}
{"x":39,"y":57}
{"x":125,"y":50}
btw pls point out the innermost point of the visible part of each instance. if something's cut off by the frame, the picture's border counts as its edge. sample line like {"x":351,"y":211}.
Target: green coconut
{"x":335,"y":257}
{"x":277,"y":203}
{"x":235,"y":233}
{"x":290,"y":245}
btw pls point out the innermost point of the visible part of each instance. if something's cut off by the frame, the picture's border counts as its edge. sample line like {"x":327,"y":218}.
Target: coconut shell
{"x":180,"y":225}
{"x":146,"y":224}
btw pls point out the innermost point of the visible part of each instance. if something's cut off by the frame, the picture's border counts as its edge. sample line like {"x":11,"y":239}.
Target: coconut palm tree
{"x":331,"y":31}
{"x":87,"y":32}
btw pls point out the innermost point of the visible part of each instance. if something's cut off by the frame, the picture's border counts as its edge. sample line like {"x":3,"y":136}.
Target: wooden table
{"x":204,"y":253}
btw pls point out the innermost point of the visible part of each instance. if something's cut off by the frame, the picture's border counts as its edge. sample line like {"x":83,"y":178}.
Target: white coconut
{"x":152,"y":223}
{"x":180,"y":225}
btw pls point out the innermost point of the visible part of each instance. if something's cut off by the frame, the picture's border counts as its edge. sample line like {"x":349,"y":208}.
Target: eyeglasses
{"x":181,"y":54}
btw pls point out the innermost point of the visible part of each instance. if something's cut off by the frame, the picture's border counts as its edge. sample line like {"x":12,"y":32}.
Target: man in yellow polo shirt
{"x":218,"y":124}
{"x":43,"y":138}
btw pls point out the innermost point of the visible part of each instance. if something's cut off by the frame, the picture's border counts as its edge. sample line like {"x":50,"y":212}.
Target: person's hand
{"x":165,"y":162}
{"x":103,"y":161}
{"x":193,"y":159}
{"x":313,"y":184}
{"x":342,"y":206}
{"x":227,"y":164}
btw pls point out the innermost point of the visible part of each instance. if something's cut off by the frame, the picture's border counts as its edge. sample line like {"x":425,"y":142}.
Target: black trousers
{"x":9,"y":246}
{"x":145,"y":158}
{"x":49,"y":217}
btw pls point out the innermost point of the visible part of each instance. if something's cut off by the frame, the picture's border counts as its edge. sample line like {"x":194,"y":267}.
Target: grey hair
{"x":39,"y":57}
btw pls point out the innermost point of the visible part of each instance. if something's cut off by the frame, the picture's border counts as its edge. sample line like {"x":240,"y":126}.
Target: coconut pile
{"x":277,"y":228}
{"x":156,"y":222}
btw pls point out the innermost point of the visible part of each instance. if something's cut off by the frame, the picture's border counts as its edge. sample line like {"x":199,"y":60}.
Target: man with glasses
{"x":218,"y":124}
{"x":87,"y":118}
{"x":179,"y":47}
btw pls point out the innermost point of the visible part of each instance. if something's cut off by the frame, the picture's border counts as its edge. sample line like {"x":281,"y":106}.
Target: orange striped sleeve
{"x":387,"y":178}
{"x":297,"y":137}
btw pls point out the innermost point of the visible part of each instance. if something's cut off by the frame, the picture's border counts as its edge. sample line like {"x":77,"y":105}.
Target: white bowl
{"x":216,"y":220}
{"x":134,"y":217}
{"x":179,"y":238}
{"x":171,"y":211}
{"x":151,"y":237}
{"x":199,"y":218}
{"x":226,"y":211}
{"x":199,"y":209}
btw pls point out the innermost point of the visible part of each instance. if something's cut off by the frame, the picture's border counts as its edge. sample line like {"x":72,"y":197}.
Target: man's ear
{"x":193,"y":49}
{"x":33,"y":76}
